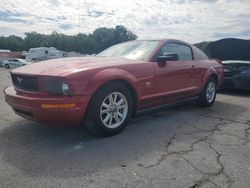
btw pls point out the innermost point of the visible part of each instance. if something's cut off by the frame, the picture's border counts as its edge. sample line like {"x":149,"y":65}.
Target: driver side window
{"x":184,"y":52}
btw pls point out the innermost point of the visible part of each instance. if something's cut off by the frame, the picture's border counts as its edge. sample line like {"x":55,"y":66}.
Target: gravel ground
{"x":185,"y":146}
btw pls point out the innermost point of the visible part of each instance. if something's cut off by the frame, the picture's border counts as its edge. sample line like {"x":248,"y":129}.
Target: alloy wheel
{"x":114,"y":110}
{"x":210,"y":92}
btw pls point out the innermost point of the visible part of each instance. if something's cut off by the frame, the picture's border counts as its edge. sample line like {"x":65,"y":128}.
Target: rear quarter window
{"x":201,"y":55}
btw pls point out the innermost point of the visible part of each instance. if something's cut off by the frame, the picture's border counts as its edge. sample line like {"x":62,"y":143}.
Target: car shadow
{"x":235,"y":92}
{"x":39,"y":151}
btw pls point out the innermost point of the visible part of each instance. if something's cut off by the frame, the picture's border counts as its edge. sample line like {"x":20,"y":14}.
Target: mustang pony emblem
{"x":19,"y":80}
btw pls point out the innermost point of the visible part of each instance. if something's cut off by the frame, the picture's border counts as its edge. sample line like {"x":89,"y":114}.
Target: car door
{"x":176,"y":77}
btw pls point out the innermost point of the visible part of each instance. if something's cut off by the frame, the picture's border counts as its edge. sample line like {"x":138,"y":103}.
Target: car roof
{"x":164,"y":40}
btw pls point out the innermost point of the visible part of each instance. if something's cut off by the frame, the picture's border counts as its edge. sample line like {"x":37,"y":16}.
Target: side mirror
{"x":167,"y":57}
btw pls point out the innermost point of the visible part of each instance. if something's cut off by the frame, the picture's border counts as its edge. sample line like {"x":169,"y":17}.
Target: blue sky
{"x":189,"y":20}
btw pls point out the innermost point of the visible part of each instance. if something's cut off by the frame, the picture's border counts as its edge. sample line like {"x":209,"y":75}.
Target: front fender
{"x":103,"y":76}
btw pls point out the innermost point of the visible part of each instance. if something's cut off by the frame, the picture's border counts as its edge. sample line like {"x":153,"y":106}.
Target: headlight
{"x":56,"y":86}
{"x":65,"y":89}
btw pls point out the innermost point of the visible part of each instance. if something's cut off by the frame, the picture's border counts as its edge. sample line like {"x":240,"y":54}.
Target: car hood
{"x":62,"y":66}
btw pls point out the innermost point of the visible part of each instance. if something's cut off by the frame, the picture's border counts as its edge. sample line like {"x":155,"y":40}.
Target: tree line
{"x":93,"y":43}
{"x":203,"y":46}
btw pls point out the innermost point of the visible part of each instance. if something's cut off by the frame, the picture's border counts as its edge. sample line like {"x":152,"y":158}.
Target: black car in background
{"x":236,"y":75}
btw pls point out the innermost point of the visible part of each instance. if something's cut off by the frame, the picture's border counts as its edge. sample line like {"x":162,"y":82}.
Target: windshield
{"x":137,"y":50}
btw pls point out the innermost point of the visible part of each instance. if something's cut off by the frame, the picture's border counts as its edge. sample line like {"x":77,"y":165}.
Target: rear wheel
{"x":208,"y":94}
{"x":109,"y":110}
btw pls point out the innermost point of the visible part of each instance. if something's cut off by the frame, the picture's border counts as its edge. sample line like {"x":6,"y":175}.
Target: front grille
{"x":26,"y":83}
{"x":230,"y":74}
{"x":231,"y":70}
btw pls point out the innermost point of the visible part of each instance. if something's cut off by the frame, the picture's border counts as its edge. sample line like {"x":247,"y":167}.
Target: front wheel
{"x":109,"y":110}
{"x":208,"y":94}
{"x":7,"y":66}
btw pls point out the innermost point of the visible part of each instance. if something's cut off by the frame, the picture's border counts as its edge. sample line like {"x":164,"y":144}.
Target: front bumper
{"x":237,"y":82}
{"x":30,"y":107}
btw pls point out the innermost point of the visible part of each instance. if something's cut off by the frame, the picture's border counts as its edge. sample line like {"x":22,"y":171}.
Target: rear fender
{"x":210,"y":72}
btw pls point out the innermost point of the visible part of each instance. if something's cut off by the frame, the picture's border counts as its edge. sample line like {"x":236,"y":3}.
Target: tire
{"x":208,"y":94}
{"x":7,"y":66}
{"x":105,"y":118}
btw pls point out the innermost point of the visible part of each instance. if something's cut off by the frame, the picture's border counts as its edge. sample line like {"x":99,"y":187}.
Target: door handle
{"x":193,"y":66}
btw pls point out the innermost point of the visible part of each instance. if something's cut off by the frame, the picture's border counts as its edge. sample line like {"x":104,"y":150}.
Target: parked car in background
{"x":106,"y":90}
{"x":14,"y":63}
{"x":236,"y":75}
{"x":1,"y":62}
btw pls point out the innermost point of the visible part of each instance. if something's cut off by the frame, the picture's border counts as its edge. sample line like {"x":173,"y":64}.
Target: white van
{"x":43,"y":53}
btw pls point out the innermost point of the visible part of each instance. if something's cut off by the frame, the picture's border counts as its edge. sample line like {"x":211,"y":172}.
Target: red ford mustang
{"x":106,"y":90}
